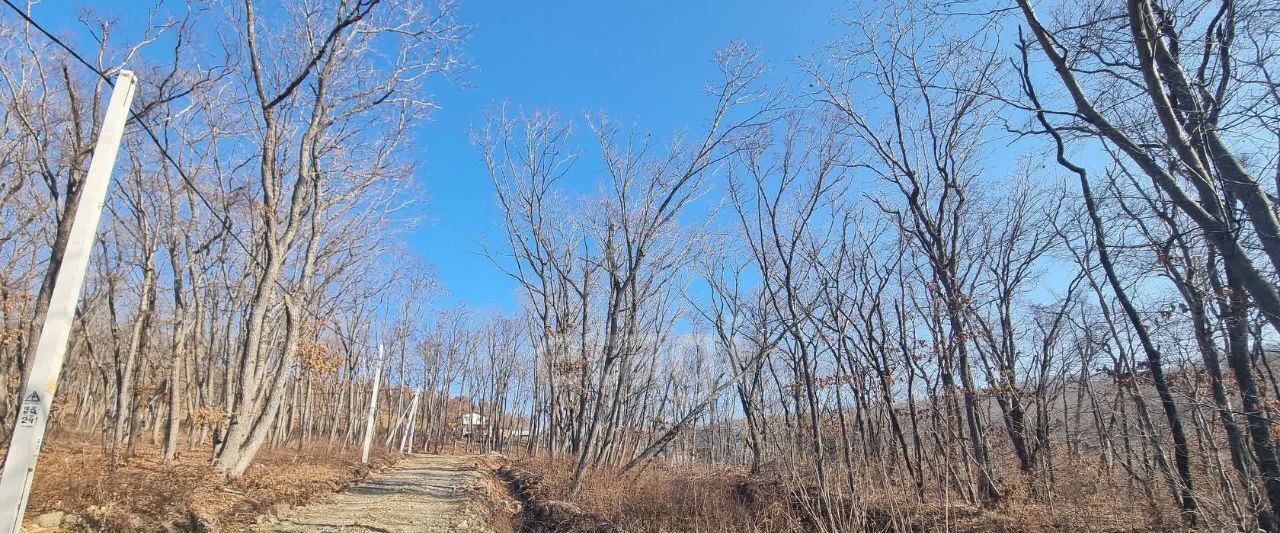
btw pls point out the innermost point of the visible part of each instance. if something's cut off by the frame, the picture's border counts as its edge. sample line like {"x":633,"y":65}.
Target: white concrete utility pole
{"x":51,"y":347}
{"x":373,"y":408}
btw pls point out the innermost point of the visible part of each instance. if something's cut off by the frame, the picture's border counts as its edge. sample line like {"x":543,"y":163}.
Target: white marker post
{"x":373,"y":408}
{"x":406,"y":437}
{"x":51,"y":347}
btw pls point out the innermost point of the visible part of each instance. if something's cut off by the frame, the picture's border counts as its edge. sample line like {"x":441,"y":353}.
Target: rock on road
{"x":422,"y":493}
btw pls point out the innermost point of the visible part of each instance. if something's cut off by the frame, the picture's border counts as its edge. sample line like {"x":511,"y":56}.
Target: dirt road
{"x":423,"y":493}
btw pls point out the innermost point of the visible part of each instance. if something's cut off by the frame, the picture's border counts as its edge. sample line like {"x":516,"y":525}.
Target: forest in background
{"x":977,"y":256}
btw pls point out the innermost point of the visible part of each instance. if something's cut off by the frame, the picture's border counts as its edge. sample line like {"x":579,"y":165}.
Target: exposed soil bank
{"x":547,"y":516}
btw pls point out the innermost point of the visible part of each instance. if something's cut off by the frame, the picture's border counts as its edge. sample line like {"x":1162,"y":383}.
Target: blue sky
{"x":642,"y":63}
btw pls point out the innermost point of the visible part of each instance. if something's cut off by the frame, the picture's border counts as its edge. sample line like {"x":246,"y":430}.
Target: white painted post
{"x":51,"y":347}
{"x":406,"y":437}
{"x":373,"y":408}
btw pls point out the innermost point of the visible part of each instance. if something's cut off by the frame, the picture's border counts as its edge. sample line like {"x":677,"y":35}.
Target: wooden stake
{"x":373,"y":408}
{"x":406,"y":440}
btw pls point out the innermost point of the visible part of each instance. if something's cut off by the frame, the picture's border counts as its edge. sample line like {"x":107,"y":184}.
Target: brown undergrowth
{"x":706,"y":498}
{"x":143,"y":494}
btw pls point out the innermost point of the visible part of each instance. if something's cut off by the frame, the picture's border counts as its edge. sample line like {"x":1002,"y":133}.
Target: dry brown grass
{"x":705,"y":498}
{"x":664,"y":498}
{"x":144,"y":494}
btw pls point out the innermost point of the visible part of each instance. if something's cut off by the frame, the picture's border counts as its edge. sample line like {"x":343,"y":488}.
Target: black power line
{"x":225,"y":221}
{"x":226,"y":224}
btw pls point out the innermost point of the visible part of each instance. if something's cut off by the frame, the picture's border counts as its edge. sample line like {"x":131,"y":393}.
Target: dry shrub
{"x":1086,"y":496}
{"x":663,"y":498}
{"x":708,"y":498}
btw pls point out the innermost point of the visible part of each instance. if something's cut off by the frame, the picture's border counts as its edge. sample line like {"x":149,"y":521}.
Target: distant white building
{"x":472,"y":422}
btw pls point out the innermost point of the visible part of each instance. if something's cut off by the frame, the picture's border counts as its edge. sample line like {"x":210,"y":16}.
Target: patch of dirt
{"x":427,"y":493}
